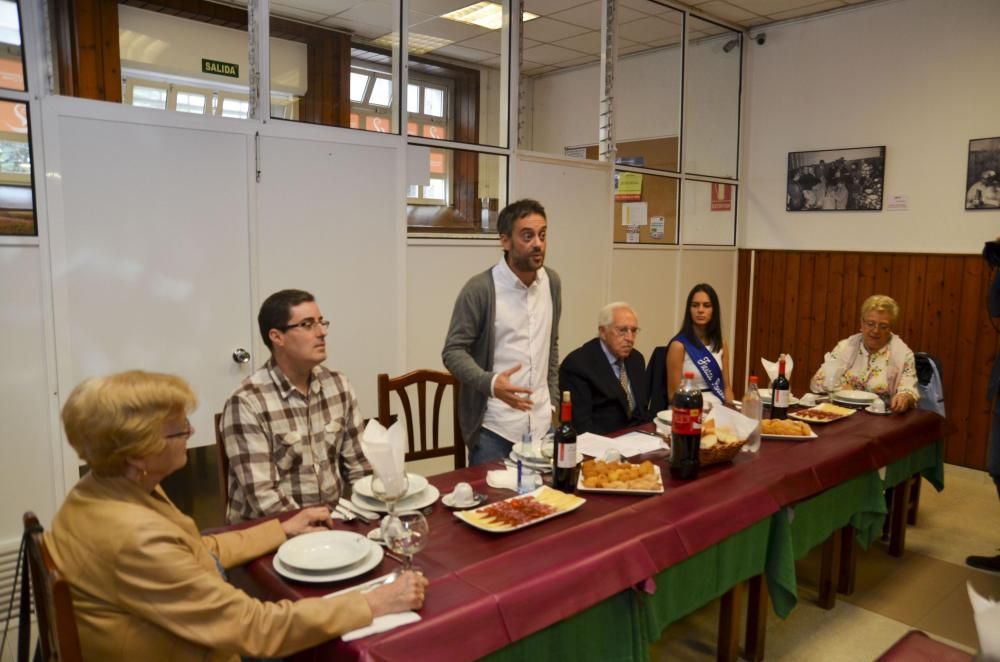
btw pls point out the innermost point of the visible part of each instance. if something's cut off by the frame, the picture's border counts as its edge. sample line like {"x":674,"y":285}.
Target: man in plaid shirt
{"x":291,"y":429}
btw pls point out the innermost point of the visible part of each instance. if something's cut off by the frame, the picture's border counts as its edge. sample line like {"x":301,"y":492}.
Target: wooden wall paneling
{"x":834,"y":302}
{"x":764,"y":269}
{"x":977,"y":371}
{"x":815,"y":340}
{"x":806,"y":321}
{"x":87,"y":50}
{"x":958,"y":398}
{"x":772,"y":345}
{"x":850,"y":321}
{"x":866,"y":281}
{"x":913,"y":291}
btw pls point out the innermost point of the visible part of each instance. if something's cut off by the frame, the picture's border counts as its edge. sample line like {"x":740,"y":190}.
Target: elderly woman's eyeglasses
{"x":307,"y":325}
{"x":871,"y":325}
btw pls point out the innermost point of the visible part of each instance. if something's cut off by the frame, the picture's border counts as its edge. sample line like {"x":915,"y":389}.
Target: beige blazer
{"x":146,"y":586}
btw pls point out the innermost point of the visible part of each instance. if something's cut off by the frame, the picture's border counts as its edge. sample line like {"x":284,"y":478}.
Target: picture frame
{"x":982,"y":178}
{"x":846,"y":179}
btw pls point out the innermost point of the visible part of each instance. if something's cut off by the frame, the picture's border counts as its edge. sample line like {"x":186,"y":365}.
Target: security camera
{"x":761,"y":38}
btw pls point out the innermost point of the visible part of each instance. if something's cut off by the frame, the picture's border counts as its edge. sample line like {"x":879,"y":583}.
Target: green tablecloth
{"x":928,"y":462}
{"x":621,"y":627}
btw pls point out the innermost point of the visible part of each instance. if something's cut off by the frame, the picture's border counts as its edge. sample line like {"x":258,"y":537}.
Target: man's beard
{"x":524,"y":263}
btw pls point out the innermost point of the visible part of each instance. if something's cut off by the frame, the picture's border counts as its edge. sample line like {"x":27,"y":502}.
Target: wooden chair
{"x":223,"y":465}
{"x":427,"y":447}
{"x":58,"y":636}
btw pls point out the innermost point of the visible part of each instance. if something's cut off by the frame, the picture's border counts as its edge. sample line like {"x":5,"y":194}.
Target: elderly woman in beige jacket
{"x":146,"y":585}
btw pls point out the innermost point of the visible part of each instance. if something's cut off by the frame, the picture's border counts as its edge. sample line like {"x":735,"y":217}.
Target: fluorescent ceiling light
{"x":487,"y":15}
{"x":417,"y":43}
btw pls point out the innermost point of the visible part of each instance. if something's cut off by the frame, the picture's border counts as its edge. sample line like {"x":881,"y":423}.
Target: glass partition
{"x":454,"y":190}
{"x":712,"y":99}
{"x":645,"y":208}
{"x":648,"y":86}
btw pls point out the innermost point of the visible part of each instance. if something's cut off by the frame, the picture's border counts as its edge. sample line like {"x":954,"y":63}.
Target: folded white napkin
{"x":386,"y":452}
{"x":987,"y":616}
{"x":380,"y":623}
{"x":771,"y":368}
{"x":808,"y":400}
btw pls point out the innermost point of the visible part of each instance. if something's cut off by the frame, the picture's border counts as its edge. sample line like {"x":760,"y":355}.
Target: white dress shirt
{"x":523,"y":328}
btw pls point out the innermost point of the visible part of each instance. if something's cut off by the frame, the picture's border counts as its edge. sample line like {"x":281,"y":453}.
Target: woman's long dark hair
{"x":714,"y":331}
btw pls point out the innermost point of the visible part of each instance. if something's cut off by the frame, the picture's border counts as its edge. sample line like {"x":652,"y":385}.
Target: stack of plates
{"x":854,"y":398}
{"x":419,"y":494}
{"x":538,"y":461}
{"x":326,"y":556}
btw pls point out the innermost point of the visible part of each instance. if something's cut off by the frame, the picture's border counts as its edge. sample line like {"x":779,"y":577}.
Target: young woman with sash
{"x":699,"y":347}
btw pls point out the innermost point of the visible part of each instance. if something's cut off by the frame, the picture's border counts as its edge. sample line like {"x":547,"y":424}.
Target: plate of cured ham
{"x":520,"y":511}
{"x":824,"y":413}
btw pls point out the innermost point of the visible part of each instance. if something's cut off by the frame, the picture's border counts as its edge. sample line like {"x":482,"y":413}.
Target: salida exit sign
{"x":220,"y":68}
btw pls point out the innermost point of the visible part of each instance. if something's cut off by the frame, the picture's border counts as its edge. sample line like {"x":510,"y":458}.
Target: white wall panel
{"x":150,"y":251}
{"x":647,"y":279}
{"x":327,"y":222}
{"x":28,"y":468}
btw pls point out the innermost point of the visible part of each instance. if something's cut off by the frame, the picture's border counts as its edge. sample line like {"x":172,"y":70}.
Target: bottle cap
{"x":753,"y":379}
{"x":688,"y":375}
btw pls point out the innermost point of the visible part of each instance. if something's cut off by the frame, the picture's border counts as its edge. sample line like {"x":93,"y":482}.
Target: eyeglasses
{"x":625,"y":330}
{"x":307,"y":325}
{"x":871,"y":325}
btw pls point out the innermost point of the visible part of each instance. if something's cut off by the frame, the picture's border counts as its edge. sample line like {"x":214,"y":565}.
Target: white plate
{"x":477,"y":500}
{"x":415,"y":502}
{"x":361,"y":567}
{"x":884,"y":412}
{"x":323,"y":550}
{"x":415,"y":484}
{"x":464,"y":514}
{"x":601,"y":490}
{"x":526,"y":452}
{"x":765,"y":397}
{"x":855,"y":397}
{"x":791,"y":437}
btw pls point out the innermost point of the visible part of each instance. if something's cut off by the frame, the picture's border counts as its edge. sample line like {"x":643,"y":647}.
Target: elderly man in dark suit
{"x":606,"y":375}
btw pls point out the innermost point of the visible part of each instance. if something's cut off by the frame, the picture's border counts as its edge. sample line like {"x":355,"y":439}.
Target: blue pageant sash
{"x":706,"y":364}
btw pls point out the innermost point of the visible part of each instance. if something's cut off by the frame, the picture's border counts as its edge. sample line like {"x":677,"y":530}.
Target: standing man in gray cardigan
{"x":503,"y":340}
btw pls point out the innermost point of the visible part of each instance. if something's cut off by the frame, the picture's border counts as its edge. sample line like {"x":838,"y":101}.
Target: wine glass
{"x":389,"y":491}
{"x":405,"y":533}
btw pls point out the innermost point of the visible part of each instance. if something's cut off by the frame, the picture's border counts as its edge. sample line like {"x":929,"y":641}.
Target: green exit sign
{"x":220,"y":68}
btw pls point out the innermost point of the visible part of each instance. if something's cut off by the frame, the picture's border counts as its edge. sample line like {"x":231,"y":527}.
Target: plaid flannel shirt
{"x":288,"y":450}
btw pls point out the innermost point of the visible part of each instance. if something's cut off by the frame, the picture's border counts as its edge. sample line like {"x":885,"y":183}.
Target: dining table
{"x":602,"y":581}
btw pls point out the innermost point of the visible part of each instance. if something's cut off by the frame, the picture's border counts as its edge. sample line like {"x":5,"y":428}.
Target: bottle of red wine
{"x":685,"y":430}
{"x":564,"y":452}
{"x":780,"y":395}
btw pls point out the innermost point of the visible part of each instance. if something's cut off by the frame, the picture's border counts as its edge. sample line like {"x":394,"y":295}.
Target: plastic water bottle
{"x":753,"y":408}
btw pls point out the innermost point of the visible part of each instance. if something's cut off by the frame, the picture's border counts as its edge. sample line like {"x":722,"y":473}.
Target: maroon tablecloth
{"x":489,"y":589}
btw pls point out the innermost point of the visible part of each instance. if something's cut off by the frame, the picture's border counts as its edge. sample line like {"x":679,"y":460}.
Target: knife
{"x":366,"y":515}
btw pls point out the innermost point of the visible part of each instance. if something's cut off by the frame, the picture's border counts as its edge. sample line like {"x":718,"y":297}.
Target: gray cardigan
{"x":468,"y":348}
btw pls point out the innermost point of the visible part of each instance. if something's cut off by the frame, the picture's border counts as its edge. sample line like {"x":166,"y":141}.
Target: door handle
{"x":240,"y":355}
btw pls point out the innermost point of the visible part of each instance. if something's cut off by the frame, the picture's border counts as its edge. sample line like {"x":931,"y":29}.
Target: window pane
{"x":11,"y":63}
{"x":17,"y":208}
{"x":459,"y":55}
{"x":359,"y":83}
{"x":711,"y":99}
{"x":433,"y":102}
{"x":235,"y":108}
{"x":190,"y":103}
{"x":358,"y":43}
{"x":413,"y":98}
{"x":458,"y":191}
{"x":149,"y":97}
{"x":381,"y":92}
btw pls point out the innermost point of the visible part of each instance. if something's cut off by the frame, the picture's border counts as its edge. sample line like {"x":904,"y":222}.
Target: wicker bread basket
{"x":720,"y":452}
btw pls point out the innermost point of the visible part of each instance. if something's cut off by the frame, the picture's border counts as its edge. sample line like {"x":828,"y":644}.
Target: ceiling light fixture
{"x":418,"y":44}
{"x":487,"y":15}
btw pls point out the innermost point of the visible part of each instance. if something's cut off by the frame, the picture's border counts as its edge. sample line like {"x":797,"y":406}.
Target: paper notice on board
{"x":898,"y":202}
{"x":632,"y":234}
{"x":656,"y":227}
{"x":635,"y":213}
{"x":628,"y":186}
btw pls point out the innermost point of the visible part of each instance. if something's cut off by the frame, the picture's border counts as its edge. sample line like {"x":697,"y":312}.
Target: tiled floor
{"x":925,"y":589}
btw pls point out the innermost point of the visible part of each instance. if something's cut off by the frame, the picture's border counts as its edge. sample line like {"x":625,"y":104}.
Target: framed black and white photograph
{"x":982,"y":181}
{"x":849,"y":179}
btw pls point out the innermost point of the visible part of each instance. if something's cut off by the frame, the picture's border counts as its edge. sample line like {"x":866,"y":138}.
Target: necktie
{"x":623,"y":378}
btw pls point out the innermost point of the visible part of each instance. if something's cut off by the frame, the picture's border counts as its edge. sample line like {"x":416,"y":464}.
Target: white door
{"x":150,"y":243}
{"x":328,"y":222}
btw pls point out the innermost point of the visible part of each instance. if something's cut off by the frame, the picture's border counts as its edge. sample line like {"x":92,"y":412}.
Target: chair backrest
{"x":58,"y":636}
{"x":223,"y":464}
{"x":656,"y":380}
{"x":422,"y":446}
{"x":929,"y":383}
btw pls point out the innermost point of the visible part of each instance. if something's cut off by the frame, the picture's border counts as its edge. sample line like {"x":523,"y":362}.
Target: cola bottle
{"x":685,"y":430}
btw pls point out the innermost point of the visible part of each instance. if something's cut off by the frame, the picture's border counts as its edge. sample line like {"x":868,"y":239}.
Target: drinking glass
{"x":406,"y":534}
{"x":389,"y":495}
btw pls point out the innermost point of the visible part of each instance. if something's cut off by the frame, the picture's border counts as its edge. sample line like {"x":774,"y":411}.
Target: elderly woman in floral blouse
{"x":875,"y":360}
